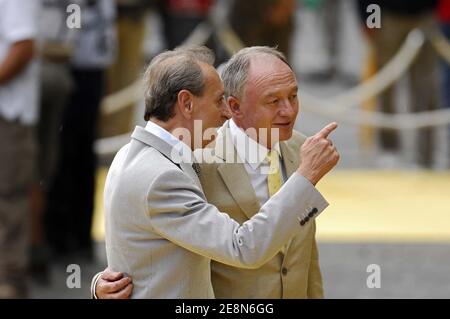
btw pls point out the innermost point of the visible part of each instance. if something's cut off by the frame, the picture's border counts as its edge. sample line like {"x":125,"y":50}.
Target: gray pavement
{"x":407,"y":271}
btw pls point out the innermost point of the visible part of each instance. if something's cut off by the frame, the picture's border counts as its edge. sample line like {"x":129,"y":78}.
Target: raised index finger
{"x":327,"y":130}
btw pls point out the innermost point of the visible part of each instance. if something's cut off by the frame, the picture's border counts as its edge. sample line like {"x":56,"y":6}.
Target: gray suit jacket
{"x":162,"y":232}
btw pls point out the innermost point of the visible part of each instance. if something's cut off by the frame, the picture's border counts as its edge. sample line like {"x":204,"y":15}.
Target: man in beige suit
{"x":194,"y":228}
{"x":294,"y":271}
{"x":261,"y":90}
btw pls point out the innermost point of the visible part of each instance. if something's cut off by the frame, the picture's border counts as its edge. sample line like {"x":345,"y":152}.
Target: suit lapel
{"x":164,"y":148}
{"x":154,"y":141}
{"x":234,"y":175}
{"x":238,"y":183}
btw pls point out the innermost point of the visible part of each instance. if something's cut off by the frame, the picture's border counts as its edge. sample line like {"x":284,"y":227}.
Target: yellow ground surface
{"x":371,"y":206}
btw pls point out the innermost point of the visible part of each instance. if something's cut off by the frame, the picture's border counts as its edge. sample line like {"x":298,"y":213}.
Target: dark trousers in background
{"x":445,"y":72}
{"x":69,"y":216}
{"x":445,"y":28}
{"x":17,"y":160}
{"x":423,"y":88}
{"x":56,"y":87}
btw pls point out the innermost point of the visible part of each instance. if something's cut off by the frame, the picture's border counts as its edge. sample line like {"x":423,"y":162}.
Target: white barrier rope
{"x":122,"y":98}
{"x":229,"y":39}
{"x":200,"y":34}
{"x":331,"y":107}
{"x":383,"y":79}
{"x":334,"y":107}
{"x":110,"y":145}
{"x":404,"y":121}
{"x":396,"y":67}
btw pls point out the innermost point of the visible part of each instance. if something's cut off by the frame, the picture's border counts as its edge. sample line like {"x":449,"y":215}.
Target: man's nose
{"x":225,"y":110}
{"x":287,"y":109}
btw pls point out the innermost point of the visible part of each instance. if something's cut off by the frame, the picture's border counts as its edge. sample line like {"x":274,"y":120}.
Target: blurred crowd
{"x":53,"y":78}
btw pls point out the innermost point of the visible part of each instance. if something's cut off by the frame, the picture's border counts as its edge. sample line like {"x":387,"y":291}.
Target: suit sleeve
{"x":178,"y":211}
{"x":315,"y":288}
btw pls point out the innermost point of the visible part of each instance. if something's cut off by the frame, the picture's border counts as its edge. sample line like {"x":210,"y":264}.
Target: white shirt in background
{"x":53,"y":21}
{"x":19,"y":97}
{"x":96,"y":41}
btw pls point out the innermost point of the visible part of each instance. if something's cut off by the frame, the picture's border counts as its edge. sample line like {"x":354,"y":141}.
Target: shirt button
{"x":284,"y":271}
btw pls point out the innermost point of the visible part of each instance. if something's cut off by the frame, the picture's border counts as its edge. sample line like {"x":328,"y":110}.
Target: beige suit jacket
{"x":227,"y":186}
{"x":161,"y":231}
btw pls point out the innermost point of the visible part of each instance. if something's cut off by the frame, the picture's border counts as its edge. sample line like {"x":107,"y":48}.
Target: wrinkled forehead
{"x":269,"y":71}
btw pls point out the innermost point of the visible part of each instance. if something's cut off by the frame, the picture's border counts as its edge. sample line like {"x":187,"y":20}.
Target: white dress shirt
{"x":181,"y":152}
{"x":254,"y":157}
{"x":19,"y":96}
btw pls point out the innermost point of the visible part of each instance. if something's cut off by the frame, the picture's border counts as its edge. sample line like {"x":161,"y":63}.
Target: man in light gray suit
{"x":159,"y":227}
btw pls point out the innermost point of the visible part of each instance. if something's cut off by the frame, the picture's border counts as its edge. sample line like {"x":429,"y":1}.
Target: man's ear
{"x":185,"y":103}
{"x":234,"y":106}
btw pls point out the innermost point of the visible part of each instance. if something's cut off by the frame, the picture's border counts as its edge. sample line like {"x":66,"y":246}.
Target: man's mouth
{"x":284,"y":125}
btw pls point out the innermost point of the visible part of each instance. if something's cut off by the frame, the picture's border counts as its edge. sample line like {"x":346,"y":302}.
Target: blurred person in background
{"x":264,"y":22}
{"x":55,"y":44}
{"x":398,"y":18}
{"x":71,"y":203}
{"x":18,"y":115}
{"x":128,"y":64}
{"x":443,"y":12}
{"x":327,"y":18}
{"x":180,"y":17}
{"x":444,"y":19}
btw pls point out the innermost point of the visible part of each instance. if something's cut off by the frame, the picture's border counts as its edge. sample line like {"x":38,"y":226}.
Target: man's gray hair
{"x":234,"y":73}
{"x":170,"y":72}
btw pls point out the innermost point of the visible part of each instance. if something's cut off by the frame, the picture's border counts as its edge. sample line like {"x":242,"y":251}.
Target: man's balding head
{"x":234,"y":74}
{"x":170,"y":72}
